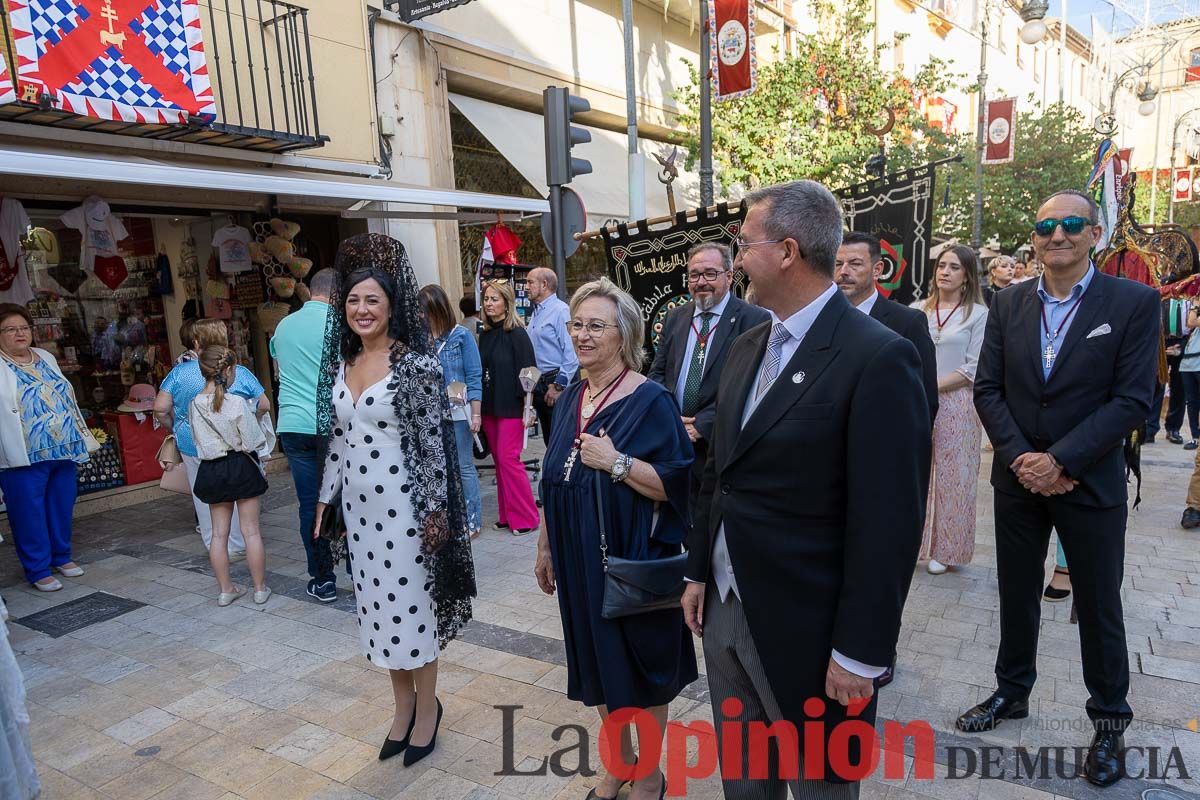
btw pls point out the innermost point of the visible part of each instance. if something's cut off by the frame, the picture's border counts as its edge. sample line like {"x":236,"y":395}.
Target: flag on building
{"x":8,"y":92}
{"x":733,"y":61}
{"x":1183,"y":185}
{"x":130,"y":60}
{"x":1000,"y":126}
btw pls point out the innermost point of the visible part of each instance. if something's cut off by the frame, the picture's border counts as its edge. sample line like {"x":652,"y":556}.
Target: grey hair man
{"x":552,"y":347}
{"x":296,"y":350}
{"x":787,"y":620}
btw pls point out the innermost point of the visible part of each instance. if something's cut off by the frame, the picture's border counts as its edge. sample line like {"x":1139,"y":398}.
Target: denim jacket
{"x":460,"y":361}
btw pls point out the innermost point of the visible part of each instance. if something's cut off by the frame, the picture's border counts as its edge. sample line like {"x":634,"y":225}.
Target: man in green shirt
{"x":296,"y":348}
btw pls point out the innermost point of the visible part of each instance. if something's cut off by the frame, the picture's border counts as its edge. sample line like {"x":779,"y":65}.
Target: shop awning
{"x":306,"y":187}
{"x":519,"y":137}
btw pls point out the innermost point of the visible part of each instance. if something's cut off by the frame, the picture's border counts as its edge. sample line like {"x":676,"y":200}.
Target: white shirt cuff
{"x":857,"y":667}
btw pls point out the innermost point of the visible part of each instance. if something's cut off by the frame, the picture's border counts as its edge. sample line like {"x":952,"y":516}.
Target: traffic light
{"x":559,"y":106}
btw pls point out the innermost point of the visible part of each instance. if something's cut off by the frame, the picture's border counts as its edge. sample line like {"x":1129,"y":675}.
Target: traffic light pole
{"x":556,"y":226}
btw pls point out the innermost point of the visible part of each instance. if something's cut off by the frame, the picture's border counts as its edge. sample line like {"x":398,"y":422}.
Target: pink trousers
{"x":513,"y":493}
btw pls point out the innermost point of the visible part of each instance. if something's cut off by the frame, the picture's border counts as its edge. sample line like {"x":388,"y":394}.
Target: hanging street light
{"x":1034,"y":29}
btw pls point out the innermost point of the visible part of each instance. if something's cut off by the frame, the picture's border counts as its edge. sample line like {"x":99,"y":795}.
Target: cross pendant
{"x":702,"y":355}
{"x":1048,"y":355}
{"x":570,"y":464}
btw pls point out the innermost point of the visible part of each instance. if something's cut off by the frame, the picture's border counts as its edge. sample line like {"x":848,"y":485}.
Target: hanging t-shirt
{"x":100,"y":231}
{"x":233,"y":245}
{"x":14,"y":277}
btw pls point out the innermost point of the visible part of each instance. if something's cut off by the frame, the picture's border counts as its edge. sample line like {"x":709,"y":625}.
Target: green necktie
{"x":691,"y":389}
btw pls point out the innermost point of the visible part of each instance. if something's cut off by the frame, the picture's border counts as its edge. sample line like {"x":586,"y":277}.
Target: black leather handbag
{"x":636,"y":587}
{"x":333,"y":530}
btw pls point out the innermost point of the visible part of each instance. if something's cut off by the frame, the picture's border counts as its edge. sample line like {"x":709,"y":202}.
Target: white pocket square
{"x":1103,"y":329}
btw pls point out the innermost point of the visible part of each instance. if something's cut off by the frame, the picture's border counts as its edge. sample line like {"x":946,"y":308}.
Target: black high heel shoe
{"x":414,"y":754}
{"x":392,"y":747}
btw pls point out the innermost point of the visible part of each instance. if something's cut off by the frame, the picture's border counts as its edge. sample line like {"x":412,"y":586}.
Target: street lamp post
{"x":1105,"y":123}
{"x":1031,"y":33}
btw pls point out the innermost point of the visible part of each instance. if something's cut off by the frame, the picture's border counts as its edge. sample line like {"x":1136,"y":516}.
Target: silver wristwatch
{"x":621,"y":467}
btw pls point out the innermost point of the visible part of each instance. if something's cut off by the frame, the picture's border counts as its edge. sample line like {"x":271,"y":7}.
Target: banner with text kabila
{"x":897,"y":208}
{"x":652,"y":264}
{"x":416,"y":9}
{"x":130,"y":60}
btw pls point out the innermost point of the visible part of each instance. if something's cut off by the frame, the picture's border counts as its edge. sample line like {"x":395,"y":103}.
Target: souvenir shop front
{"x":110,"y":268}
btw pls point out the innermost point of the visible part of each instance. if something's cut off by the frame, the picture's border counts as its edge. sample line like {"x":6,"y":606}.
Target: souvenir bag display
{"x":103,"y":469}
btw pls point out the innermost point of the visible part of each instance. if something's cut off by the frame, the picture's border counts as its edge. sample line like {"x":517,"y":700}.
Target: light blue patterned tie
{"x":779,"y":335}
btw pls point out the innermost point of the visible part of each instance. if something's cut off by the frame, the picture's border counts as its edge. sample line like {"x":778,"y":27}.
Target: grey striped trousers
{"x":734,"y":670}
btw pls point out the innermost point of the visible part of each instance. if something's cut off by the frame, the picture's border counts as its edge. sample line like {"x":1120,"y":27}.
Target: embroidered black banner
{"x":897,"y":208}
{"x":652,"y":264}
{"x":416,"y":9}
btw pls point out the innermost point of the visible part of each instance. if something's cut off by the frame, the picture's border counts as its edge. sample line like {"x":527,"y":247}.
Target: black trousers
{"x":1094,"y":542}
{"x":1175,"y":405}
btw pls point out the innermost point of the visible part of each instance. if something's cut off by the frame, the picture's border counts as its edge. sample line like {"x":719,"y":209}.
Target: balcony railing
{"x":260,"y":62}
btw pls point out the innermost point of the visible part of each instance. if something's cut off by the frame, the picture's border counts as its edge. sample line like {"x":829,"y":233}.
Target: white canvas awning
{"x":520,"y":138}
{"x":304,"y":188}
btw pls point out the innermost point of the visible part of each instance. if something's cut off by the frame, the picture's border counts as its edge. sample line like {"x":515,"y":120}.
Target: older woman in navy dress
{"x":628,"y":429}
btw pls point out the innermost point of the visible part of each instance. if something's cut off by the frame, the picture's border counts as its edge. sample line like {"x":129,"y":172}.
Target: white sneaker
{"x":225,"y":598}
{"x":263,"y":596}
{"x":52,"y":585}
{"x":936,"y":567}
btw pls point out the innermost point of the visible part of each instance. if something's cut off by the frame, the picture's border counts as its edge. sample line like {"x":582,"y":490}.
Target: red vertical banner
{"x":1000,"y":130}
{"x":1183,"y":185}
{"x":733,"y":62}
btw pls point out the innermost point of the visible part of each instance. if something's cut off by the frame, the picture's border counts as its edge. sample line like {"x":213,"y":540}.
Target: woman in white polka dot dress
{"x":388,"y":466}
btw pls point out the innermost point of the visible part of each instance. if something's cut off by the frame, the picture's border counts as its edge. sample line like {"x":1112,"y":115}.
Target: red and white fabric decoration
{"x":130,"y":60}
{"x":8,"y":92}
{"x":734,"y":62}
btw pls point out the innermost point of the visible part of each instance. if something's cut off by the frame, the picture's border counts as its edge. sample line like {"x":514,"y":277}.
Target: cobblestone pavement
{"x":177,"y":698}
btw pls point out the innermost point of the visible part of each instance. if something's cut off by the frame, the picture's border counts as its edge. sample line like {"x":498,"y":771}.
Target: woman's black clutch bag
{"x":333,"y":528}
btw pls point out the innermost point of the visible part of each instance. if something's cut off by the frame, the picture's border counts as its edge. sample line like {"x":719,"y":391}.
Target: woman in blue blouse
{"x":42,"y":438}
{"x":460,"y":363}
{"x":175,"y":396}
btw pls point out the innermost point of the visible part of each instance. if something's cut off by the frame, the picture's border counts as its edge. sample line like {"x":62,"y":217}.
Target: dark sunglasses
{"x":1070,"y":225}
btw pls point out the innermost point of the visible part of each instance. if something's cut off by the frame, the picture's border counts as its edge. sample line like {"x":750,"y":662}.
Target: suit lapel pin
{"x":798,"y":377}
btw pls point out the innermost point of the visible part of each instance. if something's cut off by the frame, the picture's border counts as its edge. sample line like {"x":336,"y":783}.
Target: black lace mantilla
{"x":422,"y":414}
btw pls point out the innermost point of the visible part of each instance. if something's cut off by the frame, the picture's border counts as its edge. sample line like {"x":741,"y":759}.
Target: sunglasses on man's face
{"x":1070,"y":225}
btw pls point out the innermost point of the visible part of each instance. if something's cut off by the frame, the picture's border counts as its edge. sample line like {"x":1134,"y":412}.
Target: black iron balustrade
{"x":260,"y":62}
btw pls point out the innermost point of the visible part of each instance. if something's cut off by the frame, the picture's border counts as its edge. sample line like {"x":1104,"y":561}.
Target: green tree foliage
{"x":1054,"y":150}
{"x":812,"y":113}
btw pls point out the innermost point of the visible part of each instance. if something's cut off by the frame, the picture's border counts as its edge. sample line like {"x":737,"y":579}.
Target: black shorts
{"x":232,"y":477}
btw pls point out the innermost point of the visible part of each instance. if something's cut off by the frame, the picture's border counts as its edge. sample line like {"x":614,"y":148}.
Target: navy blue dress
{"x":642,"y":660}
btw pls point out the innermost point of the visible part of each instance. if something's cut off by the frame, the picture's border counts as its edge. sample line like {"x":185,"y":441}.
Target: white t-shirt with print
{"x":100,"y":230}
{"x":13,"y":224}
{"x":233,"y":244}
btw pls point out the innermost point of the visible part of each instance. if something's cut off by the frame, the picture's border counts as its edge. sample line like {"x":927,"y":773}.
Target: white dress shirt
{"x":717,"y":311}
{"x":798,"y":325}
{"x":866,"y":305}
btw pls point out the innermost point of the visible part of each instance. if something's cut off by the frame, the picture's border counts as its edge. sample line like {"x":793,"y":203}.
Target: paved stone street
{"x":177,"y":698}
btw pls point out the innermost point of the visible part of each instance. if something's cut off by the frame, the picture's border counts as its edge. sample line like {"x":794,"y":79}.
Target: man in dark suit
{"x":695,"y":343}
{"x":810,"y":513}
{"x":1066,"y":372}
{"x":859,"y":265}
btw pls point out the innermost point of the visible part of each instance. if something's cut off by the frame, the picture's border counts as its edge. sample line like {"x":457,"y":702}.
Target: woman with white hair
{"x":615,"y":486}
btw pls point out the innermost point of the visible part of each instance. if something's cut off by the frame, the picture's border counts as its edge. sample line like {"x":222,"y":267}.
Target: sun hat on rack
{"x":140,"y":399}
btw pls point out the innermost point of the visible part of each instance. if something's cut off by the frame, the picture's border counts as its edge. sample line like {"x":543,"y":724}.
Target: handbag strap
{"x":597,"y":489}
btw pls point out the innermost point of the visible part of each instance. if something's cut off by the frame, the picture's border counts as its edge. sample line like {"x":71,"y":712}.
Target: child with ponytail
{"x":228,"y":436}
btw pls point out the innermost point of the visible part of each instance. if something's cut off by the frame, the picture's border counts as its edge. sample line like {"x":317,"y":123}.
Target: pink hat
{"x":140,"y":398}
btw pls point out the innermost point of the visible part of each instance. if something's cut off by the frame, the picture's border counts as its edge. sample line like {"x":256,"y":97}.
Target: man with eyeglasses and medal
{"x":695,"y":341}
{"x":1067,"y":370}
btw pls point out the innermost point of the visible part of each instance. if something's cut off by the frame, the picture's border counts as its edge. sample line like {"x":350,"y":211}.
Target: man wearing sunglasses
{"x":695,"y":341}
{"x":1067,"y":371}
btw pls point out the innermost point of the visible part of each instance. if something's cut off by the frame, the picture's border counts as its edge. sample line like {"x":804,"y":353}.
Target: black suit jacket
{"x":822,"y":495}
{"x":739,"y":317}
{"x":1100,"y":388}
{"x":914,"y":326}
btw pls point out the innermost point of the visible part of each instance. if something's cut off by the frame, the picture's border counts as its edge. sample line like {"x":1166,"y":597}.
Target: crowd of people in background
{"x":386,"y":394}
